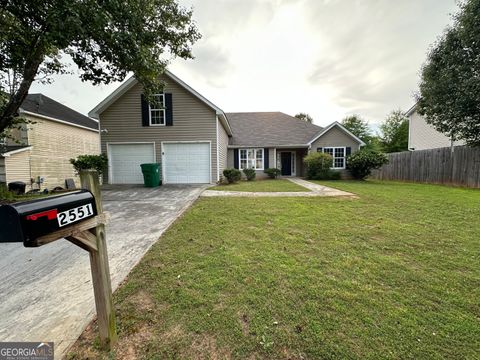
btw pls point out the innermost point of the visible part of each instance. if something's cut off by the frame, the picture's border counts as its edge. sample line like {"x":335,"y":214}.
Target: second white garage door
{"x":186,"y":163}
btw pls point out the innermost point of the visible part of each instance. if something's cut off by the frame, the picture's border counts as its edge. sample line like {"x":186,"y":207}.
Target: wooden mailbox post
{"x":88,"y":234}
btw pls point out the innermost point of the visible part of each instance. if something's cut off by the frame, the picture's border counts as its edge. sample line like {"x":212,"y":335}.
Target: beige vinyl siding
{"x":335,"y":137}
{"x":422,"y":136}
{"x":222,"y":148}
{"x":2,"y":170}
{"x":17,"y":167}
{"x":193,"y":120}
{"x":54,"y":144}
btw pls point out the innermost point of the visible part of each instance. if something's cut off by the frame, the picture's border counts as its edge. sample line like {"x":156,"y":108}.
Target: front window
{"x":157,"y":110}
{"x":251,"y":159}
{"x":338,"y":155}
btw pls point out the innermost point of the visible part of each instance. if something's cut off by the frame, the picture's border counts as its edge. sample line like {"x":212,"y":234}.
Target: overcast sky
{"x":329,"y":58}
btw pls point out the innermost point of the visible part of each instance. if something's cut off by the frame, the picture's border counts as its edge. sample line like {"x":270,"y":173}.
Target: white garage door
{"x":125,"y":160}
{"x":186,"y":163}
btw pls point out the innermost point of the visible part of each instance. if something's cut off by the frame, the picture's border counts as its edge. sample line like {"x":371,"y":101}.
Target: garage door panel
{"x":125,"y":160}
{"x":186,"y":163}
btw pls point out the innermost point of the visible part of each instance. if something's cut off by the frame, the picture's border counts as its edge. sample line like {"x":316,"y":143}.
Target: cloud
{"x":326,"y":57}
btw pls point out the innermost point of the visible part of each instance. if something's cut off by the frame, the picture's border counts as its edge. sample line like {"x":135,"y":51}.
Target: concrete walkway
{"x":312,"y":190}
{"x":46,"y":293}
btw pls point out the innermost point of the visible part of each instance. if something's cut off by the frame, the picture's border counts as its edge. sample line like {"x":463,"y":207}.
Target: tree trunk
{"x":29,"y":72}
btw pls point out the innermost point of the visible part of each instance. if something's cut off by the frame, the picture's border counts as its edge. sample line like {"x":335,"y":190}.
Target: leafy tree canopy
{"x":449,"y":95}
{"x":394,"y":130}
{"x":304,"y":117}
{"x":105,"y":39}
{"x":357,"y":126}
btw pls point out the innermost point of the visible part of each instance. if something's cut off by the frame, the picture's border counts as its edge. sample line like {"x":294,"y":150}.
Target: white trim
{"x":13,"y":152}
{"x":255,"y":149}
{"x":161,"y":109}
{"x":57,"y":120}
{"x":127,"y":85}
{"x":409,"y":134}
{"x":110,"y":174}
{"x":333,"y":156}
{"x":162,"y":153}
{"x":336,"y":123}
{"x":275,"y":158}
{"x":218,"y":147}
{"x":412,"y":109}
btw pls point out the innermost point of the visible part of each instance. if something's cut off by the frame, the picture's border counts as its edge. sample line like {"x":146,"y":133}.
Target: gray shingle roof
{"x":4,"y":149}
{"x":270,"y":129}
{"x":43,"y":105}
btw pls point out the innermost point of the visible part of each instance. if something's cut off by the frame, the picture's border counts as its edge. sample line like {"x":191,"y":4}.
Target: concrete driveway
{"x":46,"y":293}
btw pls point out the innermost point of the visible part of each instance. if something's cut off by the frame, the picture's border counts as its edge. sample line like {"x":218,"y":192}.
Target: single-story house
{"x":422,"y":136}
{"x":195,"y":140}
{"x":39,"y":152}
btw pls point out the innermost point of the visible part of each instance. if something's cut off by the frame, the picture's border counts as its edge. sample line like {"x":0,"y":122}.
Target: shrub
{"x":333,"y":175}
{"x":250,"y":174}
{"x":272,"y":172}
{"x":90,"y":162}
{"x":5,"y":195}
{"x":364,"y":161}
{"x":232,"y":175}
{"x":318,"y":166}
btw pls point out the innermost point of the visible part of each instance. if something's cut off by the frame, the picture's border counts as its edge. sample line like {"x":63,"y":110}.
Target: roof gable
{"x":341,"y":127}
{"x":127,"y":85}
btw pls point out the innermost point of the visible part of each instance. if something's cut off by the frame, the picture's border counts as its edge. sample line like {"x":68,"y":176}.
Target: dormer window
{"x":157,"y":110}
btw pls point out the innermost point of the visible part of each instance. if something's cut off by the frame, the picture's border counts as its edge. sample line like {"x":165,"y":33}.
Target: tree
{"x":357,"y":126}
{"x":360,"y":128}
{"x":449,"y":95}
{"x":105,"y":39}
{"x":304,"y":117}
{"x":394,"y":130}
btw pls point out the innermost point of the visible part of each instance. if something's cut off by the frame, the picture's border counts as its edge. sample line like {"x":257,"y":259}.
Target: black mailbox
{"x":29,"y":220}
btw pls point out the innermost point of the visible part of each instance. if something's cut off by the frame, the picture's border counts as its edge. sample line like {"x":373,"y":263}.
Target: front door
{"x":286,"y":158}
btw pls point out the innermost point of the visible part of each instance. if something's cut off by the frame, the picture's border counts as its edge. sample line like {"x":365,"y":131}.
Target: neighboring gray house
{"x":195,"y":140}
{"x":422,"y":136}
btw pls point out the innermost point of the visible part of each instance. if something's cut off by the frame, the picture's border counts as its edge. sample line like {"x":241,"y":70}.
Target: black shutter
{"x":145,"y":111}
{"x":266,"y":165}
{"x":168,"y":109}
{"x":348,"y":151}
{"x":319,"y":149}
{"x":235,"y":158}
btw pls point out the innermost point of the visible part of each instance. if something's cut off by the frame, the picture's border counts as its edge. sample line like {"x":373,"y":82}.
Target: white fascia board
{"x":29,"y":113}
{"x":411,"y":110}
{"x":9,"y":153}
{"x":336,"y":123}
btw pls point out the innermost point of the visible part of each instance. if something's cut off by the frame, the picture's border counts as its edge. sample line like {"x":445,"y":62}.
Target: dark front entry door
{"x":286,"y":159}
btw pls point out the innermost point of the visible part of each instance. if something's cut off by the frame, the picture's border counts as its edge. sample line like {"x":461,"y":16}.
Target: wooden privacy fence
{"x":436,"y":166}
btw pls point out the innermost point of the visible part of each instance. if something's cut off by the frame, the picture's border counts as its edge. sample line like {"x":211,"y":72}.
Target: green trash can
{"x":151,"y":174}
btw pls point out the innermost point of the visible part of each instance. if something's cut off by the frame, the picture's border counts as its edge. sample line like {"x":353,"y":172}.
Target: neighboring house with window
{"x":422,"y":136}
{"x":42,"y":149}
{"x":194,"y":140}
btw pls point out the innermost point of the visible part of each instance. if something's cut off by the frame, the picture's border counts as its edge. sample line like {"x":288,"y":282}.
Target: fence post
{"x":102,"y":286}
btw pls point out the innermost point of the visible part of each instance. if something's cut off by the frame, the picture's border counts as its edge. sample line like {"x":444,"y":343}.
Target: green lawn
{"x":394,"y":274}
{"x":267,"y":185}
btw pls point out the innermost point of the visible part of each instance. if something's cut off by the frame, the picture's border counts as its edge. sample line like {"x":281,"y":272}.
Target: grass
{"x":394,"y":275}
{"x":268,"y":185}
